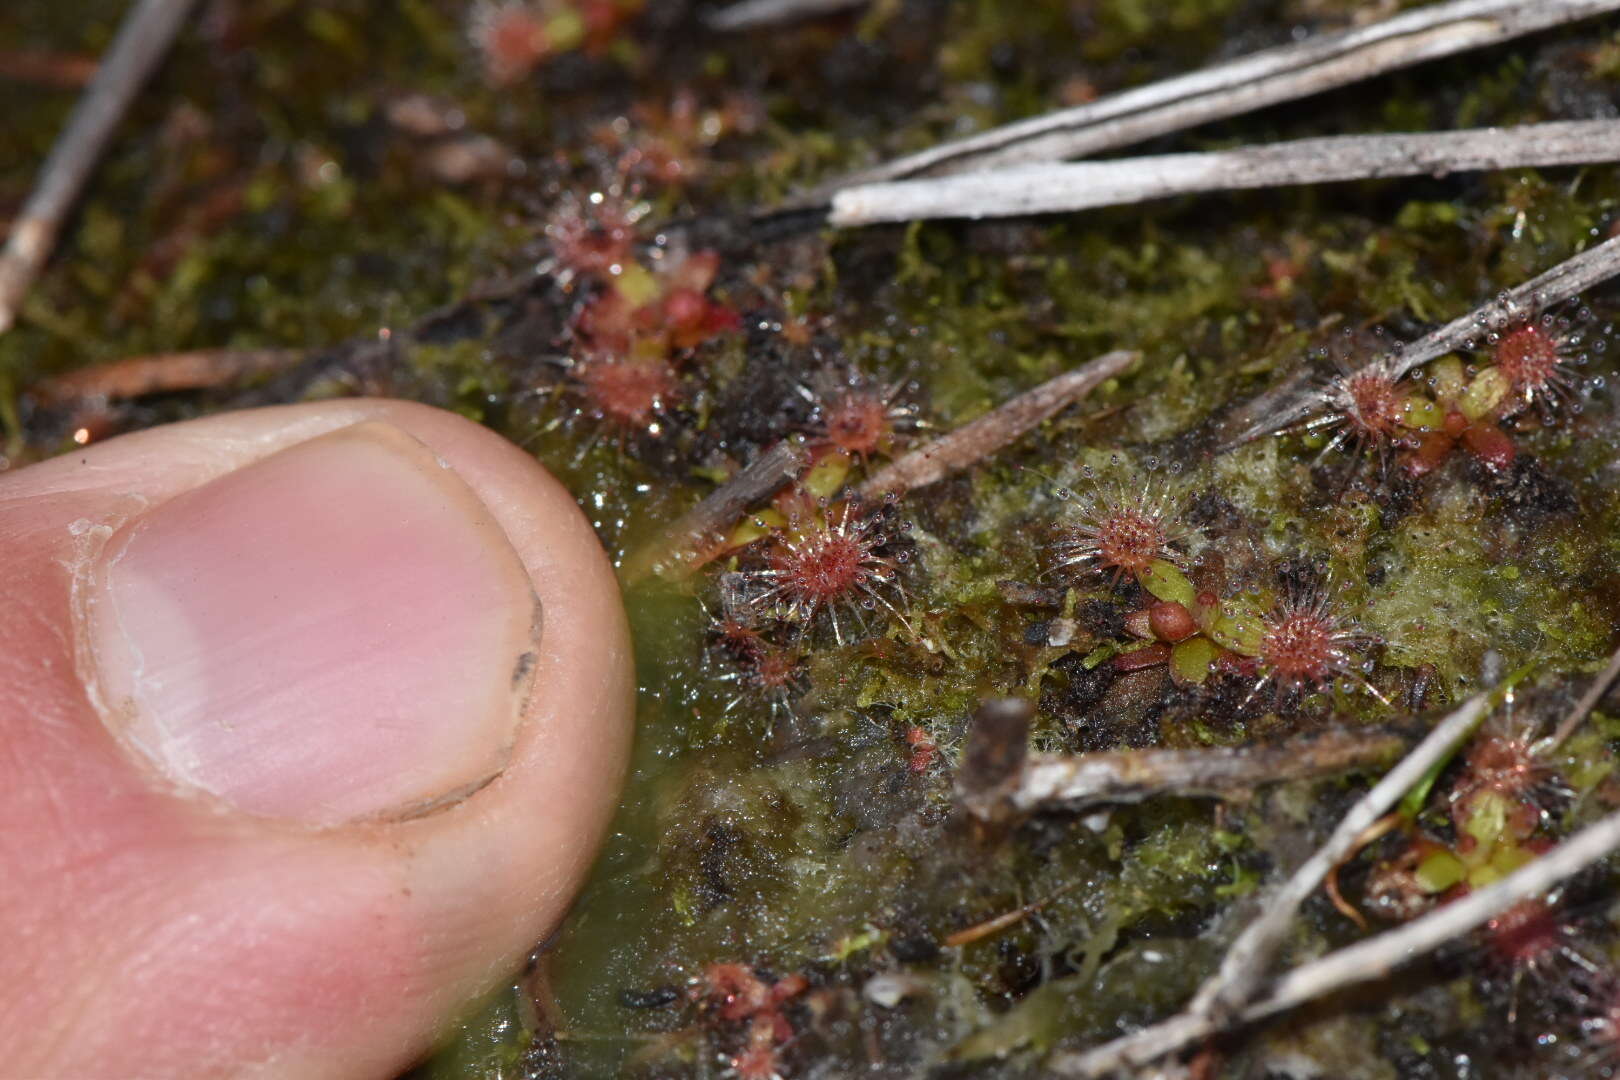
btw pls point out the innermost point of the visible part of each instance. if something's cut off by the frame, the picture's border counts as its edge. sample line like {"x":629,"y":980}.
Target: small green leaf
{"x":755,"y":527}
{"x":827,"y":476}
{"x":1239,"y":626}
{"x":1105,"y":651}
{"x":1484,"y":393}
{"x":1488,"y":818}
{"x":1440,"y":872}
{"x":1164,"y":581}
{"x":637,"y":285}
{"x":1422,"y":414}
{"x":1190,"y":660}
{"x":1447,"y":378}
{"x":565,"y":31}
{"x":1412,"y":802}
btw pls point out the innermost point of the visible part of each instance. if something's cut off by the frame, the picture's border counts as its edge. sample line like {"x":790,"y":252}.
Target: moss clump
{"x":809,"y":833}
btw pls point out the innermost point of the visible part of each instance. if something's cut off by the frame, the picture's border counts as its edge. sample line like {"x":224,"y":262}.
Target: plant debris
{"x":977,"y":732}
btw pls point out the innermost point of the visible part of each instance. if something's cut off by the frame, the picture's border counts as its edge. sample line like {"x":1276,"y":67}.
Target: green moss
{"x":803,"y":840}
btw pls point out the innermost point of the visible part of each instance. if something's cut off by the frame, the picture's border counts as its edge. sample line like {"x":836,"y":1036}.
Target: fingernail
{"x":338,"y":631}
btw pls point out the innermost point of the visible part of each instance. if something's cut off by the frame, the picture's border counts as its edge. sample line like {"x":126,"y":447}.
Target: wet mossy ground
{"x":272,"y":190}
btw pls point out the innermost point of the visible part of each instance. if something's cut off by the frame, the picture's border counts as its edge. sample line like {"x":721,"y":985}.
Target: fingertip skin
{"x":327,"y":634}
{"x":164,"y":933}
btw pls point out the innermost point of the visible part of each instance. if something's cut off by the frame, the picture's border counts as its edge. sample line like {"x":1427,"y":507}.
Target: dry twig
{"x":1126,"y":776}
{"x":1226,"y":997}
{"x":1371,"y":959}
{"x":1229,"y":89}
{"x":61,"y":71}
{"x":994,"y":761}
{"x":163,"y":373}
{"x":753,"y":14}
{"x":981,"y":930}
{"x":1285,"y":405}
{"x":1047,"y":189}
{"x":681,"y":548}
{"x":978,"y":439}
{"x":1246,"y":961}
{"x":1588,"y":702}
{"x":1380,"y":955}
{"x":684,"y":545}
{"x":144,"y":37}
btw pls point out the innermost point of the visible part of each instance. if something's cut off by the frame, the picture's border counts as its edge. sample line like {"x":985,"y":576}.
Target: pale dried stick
{"x":1076,"y":781}
{"x":1137,"y":1049}
{"x":144,"y":37}
{"x":1378,"y":956}
{"x":1371,"y":959}
{"x":681,"y":548}
{"x":1225,"y":994}
{"x":1285,"y":406}
{"x":1569,"y":278}
{"x":978,"y":439}
{"x":753,"y":14}
{"x":1245,"y":963}
{"x":1588,"y":702}
{"x":1056,"y":189}
{"x":1237,"y":86}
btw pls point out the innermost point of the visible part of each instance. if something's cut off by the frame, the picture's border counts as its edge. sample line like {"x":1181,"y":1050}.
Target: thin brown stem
{"x":1588,"y":702}
{"x":61,"y":71}
{"x":163,"y":373}
{"x":978,"y":439}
